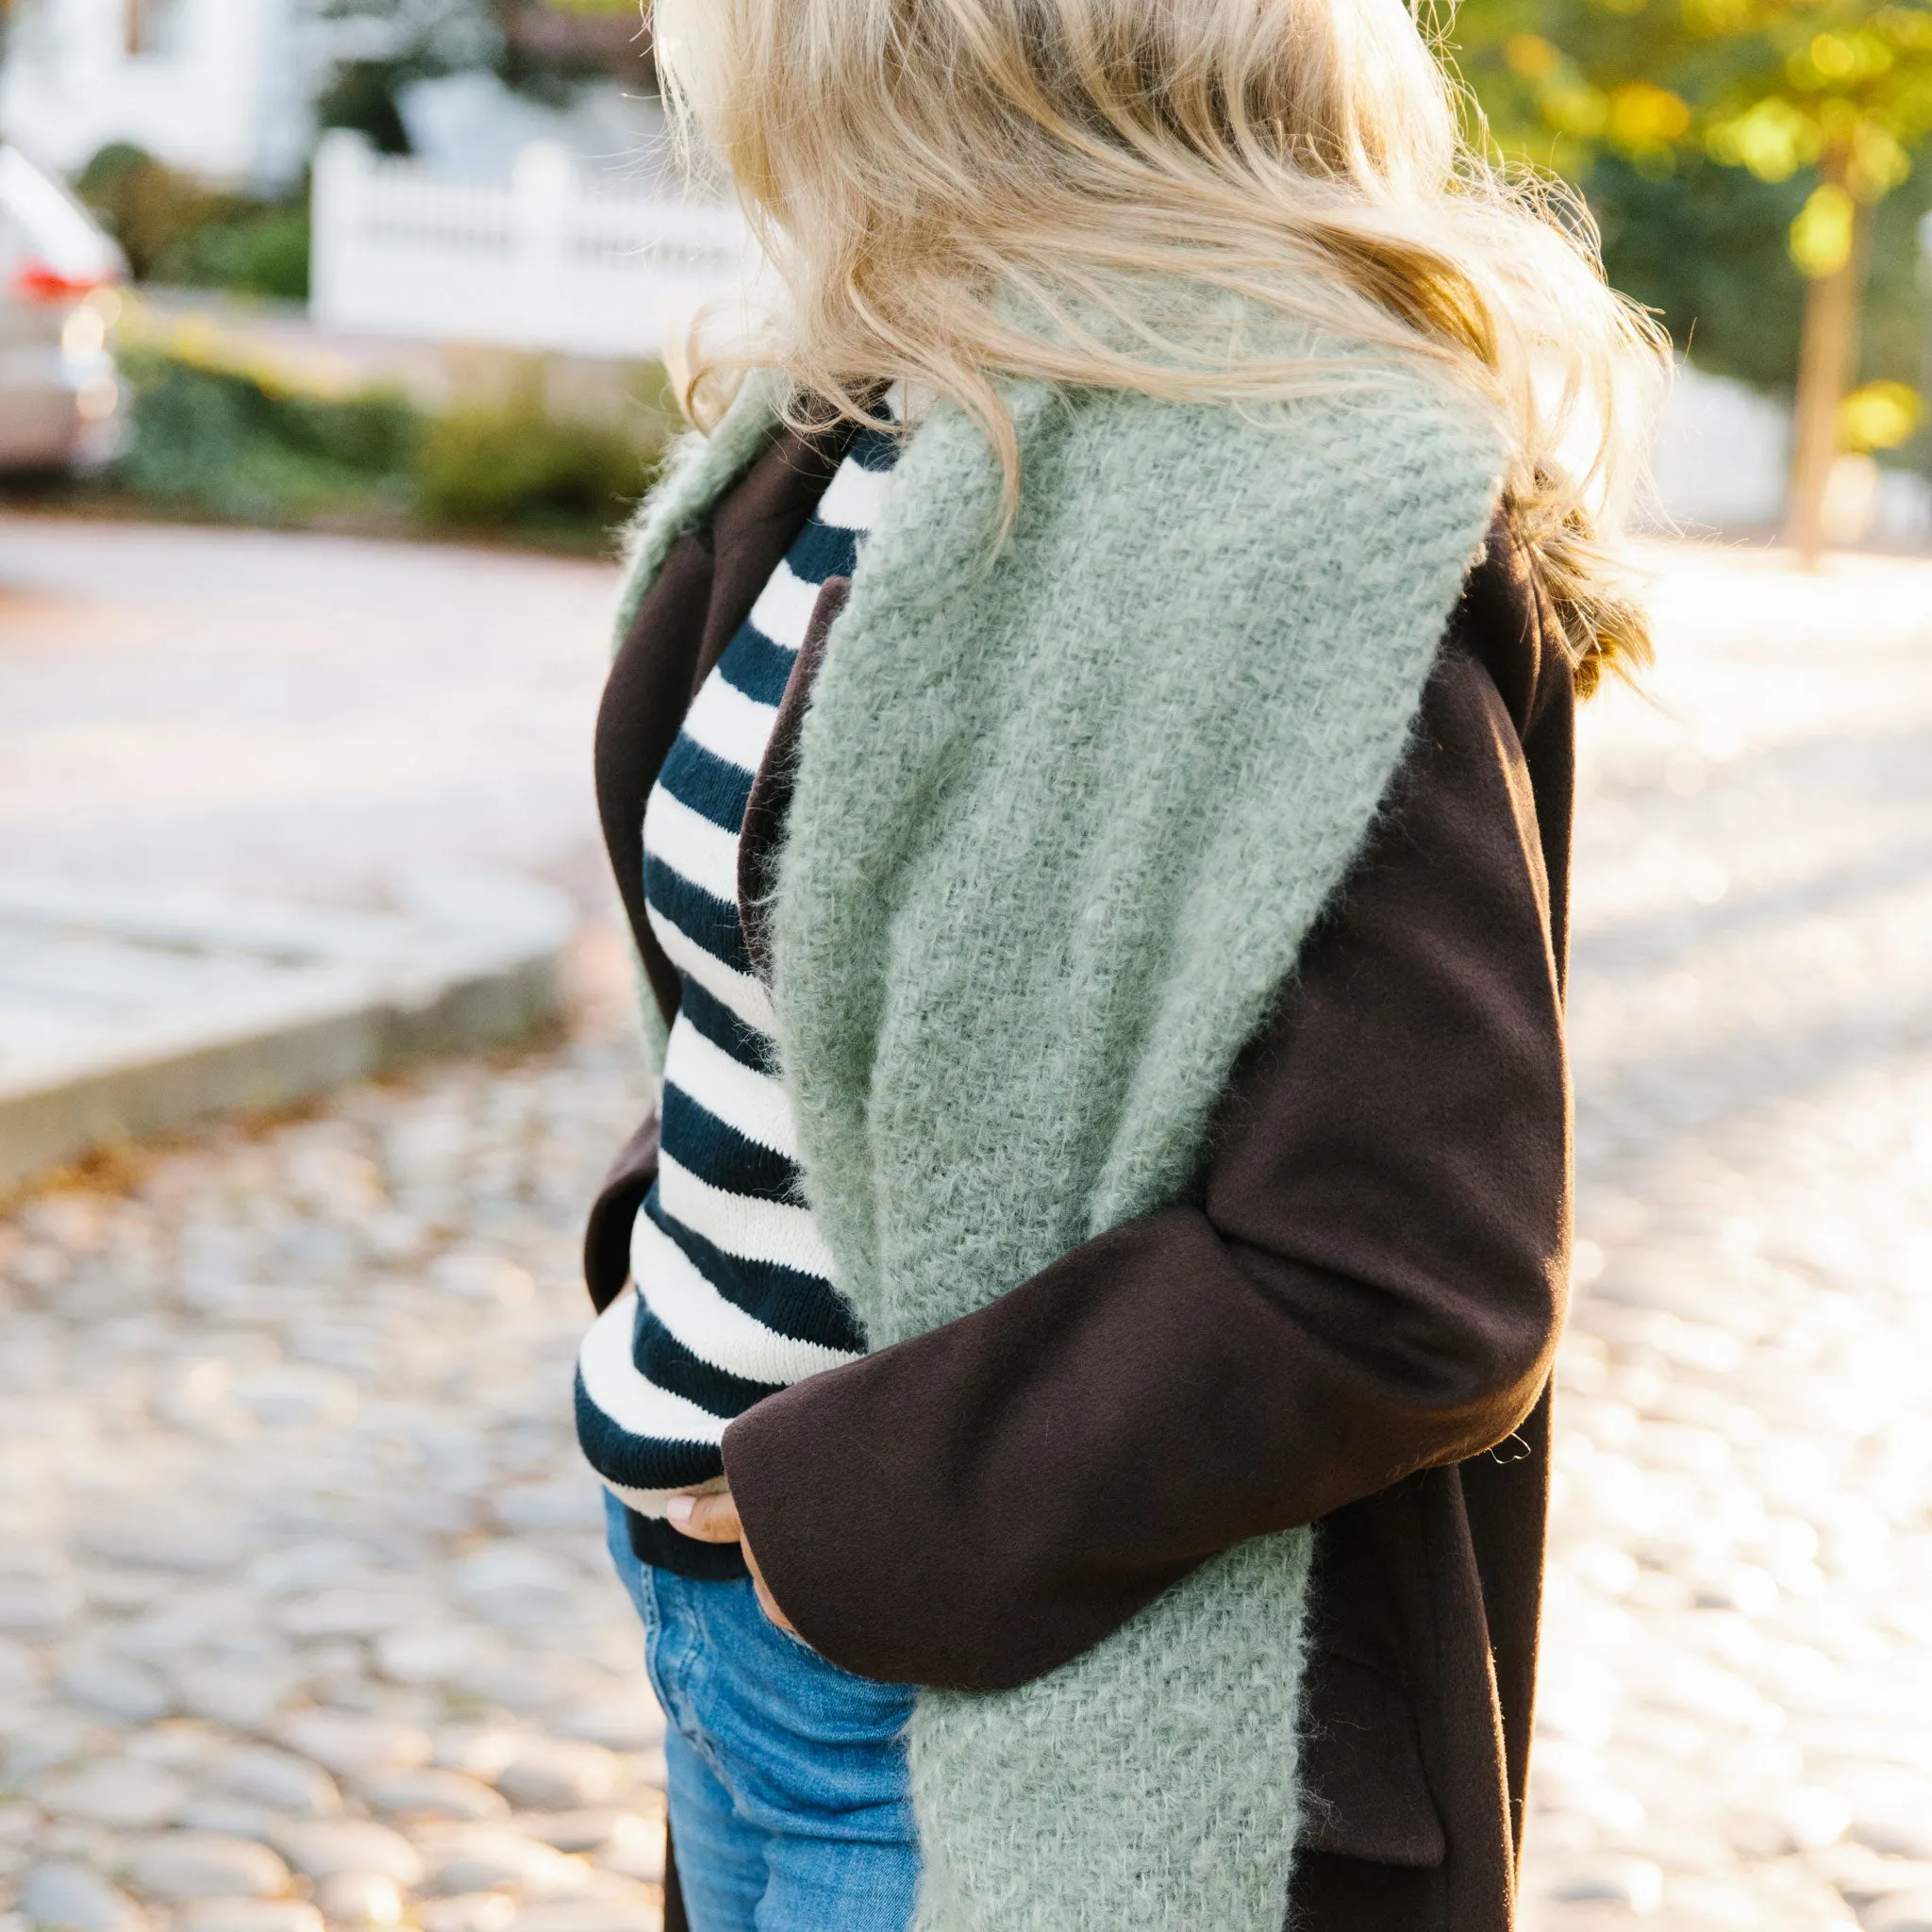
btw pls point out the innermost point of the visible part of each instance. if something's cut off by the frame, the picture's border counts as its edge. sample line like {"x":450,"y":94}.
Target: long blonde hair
{"x":959,"y":191}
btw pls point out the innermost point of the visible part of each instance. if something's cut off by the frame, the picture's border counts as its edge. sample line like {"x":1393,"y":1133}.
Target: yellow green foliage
{"x":1769,"y":85}
{"x":1880,"y":415}
{"x":1724,"y":145}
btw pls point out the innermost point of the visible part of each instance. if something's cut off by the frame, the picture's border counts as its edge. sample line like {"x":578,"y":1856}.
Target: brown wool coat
{"x":1352,"y":1326}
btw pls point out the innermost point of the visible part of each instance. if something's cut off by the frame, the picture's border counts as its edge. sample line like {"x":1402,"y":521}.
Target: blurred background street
{"x":333,"y":349}
{"x":293,"y":715}
{"x":1735,"y":1700}
{"x":299,"y":1574}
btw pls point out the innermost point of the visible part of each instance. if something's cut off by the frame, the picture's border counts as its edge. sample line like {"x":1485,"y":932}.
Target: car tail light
{"x":34,"y":281}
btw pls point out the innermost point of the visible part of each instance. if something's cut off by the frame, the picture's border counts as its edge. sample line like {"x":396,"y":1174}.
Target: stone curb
{"x":269,"y":1005}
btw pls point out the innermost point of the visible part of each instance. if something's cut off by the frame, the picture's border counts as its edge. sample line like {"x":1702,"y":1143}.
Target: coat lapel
{"x":716,"y":533}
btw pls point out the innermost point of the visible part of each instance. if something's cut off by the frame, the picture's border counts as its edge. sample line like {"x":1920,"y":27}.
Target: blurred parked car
{"x":60,"y":272}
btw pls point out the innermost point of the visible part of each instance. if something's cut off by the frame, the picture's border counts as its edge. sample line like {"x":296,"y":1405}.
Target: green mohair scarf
{"x":1063,"y":815}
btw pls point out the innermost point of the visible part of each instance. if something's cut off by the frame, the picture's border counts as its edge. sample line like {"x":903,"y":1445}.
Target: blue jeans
{"x":788,"y":1781}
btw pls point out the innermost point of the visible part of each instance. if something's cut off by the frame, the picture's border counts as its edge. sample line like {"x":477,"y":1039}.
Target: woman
{"x":1088,"y":765}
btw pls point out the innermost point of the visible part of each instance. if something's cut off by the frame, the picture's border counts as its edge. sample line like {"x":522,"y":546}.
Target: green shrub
{"x":148,"y":207}
{"x":263,"y":254}
{"x":215,"y":443}
{"x":173,"y":229}
{"x":510,"y":466}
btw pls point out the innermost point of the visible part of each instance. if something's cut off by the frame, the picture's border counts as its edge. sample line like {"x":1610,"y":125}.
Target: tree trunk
{"x":1825,"y":368}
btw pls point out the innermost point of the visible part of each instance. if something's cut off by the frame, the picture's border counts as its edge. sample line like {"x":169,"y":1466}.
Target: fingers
{"x":711,"y":1519}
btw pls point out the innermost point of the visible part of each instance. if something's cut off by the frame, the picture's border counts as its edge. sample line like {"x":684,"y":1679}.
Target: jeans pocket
{"x":850,"y":1683}
{"x":797,"y":1642}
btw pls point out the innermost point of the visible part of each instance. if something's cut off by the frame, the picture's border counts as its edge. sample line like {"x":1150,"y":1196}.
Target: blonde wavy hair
{"x":956,"y":192}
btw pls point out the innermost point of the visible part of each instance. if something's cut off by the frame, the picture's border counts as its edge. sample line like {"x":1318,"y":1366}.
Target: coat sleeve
{"x":607,"y":1236}
{"x":1371,"y":1284}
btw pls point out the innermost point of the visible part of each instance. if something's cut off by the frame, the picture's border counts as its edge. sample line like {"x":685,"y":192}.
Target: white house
{"x":219,"y":88}
{"x":225,"y":89}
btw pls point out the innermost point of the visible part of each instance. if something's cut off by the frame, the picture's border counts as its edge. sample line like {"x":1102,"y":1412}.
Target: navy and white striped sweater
{"x":731,"y":1296}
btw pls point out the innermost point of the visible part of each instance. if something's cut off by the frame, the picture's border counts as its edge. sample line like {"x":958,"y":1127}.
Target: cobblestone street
{"x":1736,"y":1717}
{"x":303,"y":1613}
{"x":302,"y":1588}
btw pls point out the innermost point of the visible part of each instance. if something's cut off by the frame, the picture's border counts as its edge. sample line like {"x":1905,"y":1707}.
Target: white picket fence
{"x":547,"y":261}
{"x":553,"y":260}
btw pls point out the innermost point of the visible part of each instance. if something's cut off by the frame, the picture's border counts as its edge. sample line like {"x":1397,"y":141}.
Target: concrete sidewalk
{"x":266,"y":797}
{"x":123,"y":1015}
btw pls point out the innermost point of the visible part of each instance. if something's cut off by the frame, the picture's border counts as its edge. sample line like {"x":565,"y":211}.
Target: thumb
{"x":711,"y":1519}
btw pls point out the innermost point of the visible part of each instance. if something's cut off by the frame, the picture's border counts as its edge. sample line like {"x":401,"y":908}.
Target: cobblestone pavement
{"x":301,"y":1610}
{"x":1736,"y":1718}
{"x":303,"y":1606}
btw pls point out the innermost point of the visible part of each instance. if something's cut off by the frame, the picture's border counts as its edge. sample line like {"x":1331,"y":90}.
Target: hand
{"x":712,"y":1518}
